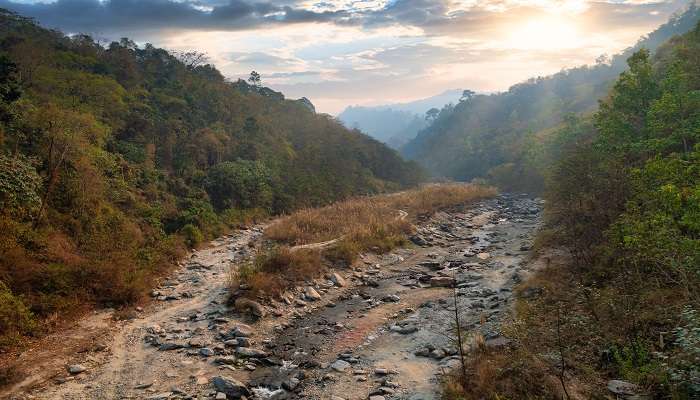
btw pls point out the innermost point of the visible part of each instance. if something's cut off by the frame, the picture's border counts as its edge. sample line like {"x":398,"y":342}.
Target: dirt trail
{"x":389,"y":312}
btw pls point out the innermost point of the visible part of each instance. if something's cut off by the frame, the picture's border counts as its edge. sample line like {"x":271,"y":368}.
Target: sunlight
{"x":544,"y":34}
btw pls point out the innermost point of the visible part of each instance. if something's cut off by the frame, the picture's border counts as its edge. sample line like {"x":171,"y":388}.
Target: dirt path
{"x":377,"y":316}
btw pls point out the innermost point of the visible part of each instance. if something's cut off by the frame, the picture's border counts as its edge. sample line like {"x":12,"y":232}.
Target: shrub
{"x":15,"y":317}
{"x":192,"y":235}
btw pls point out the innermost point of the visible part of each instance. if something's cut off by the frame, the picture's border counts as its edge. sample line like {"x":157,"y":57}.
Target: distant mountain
{"x":395,"y":124}
{"x":495,"y":136}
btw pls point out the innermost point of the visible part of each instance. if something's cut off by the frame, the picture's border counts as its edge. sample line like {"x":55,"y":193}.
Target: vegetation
{"x":114,"y":160}
{"x":624,"y":197}
{"x":377,"y":224}
{"x":507,"y":137}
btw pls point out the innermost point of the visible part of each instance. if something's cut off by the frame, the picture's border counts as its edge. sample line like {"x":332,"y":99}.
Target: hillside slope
{"x":114,"y":159}
{"x":395,"y":124}
{"x":496,"y":136}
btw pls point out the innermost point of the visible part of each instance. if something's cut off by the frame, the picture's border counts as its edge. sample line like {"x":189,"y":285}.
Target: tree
{"x":239,"y":184}
{"x":432,"y":114}
{"x":467,"y":95}
{"x":192,"y":59}
{"x":254,"y":79}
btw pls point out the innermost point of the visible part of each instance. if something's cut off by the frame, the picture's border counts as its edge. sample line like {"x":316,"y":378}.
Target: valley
{"x":379,"y":330}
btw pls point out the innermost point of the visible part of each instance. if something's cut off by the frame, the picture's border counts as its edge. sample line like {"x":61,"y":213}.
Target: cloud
{"x":149,"y":15}
{"x":338,"y":52}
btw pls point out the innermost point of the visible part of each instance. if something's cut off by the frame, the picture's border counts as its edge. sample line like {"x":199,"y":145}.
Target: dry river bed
{"x":380,"y":330}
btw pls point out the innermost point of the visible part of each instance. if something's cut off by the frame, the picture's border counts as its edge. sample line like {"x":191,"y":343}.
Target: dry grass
{"x":274,"y":271}
{"x":369,"y":216}
{"x":376,"y":224}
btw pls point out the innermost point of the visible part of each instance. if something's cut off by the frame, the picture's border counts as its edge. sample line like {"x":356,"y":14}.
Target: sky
{"x":369,"y":52}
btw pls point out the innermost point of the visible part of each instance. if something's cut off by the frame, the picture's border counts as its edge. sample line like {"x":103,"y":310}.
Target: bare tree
{"x":192,"y":59}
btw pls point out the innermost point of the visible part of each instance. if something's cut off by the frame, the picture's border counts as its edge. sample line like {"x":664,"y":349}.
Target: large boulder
{"x":231,"y":387}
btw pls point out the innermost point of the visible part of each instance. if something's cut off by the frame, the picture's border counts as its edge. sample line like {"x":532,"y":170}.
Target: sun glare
{"x":545,"y":34}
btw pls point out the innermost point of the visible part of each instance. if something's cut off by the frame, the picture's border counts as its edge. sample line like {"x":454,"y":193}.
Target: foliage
{"x":623,"y":197}
{"x":112,"y":158}
{"x":503,"y":136}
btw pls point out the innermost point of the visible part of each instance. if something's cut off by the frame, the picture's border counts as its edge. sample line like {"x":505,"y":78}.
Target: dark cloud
{"x":148,"y":15}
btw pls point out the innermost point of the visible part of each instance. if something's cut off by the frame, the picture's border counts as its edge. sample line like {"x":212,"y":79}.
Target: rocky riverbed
{"x":379,"y":330}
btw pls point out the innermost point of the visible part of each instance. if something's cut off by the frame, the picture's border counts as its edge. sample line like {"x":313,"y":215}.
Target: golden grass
{"x":370,"y":216}
{"x":378,"y":224}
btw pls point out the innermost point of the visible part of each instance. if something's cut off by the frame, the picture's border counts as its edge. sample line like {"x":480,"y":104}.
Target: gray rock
{"x":206,"y":352}
{"x":392,"y":298}
{"x":442,"y":281}
{"x":340,"y":365}
{"x":230,"y":387}
{"x":250,"y":352}
{"x":75,"y":369}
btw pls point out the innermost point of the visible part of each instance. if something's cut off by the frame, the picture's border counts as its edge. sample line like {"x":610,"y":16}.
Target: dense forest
{"x":623,"y":197}
{"x":113,"y":159}
{"x":505,"y":137}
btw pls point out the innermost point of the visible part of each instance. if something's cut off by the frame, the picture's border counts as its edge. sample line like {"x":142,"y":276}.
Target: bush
{"x":192,"y":235}
{"x":278,"y":269}
{"x":15,"y":317}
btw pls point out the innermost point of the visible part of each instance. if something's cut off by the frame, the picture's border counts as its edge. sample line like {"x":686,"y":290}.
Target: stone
{"x":230,"y":387}
{"x":242,"y":330}
{"x":340,"y":365}
{"x":75,"y":369}
{"x":442,"y":281}
{"x":392,"y":298}
{"x":311,"y":294}
{"x":206,"y":352}
{"x":160,"y":396}
{"x":250,"y":352}
{"x":338,"y":280}
{"x":404,"y":328}
{"x":220,"y":396}
{"x":253,"y":307}
{"x":625,"y":390}
{"x":376,"y":397}
{"x":170,"y":346}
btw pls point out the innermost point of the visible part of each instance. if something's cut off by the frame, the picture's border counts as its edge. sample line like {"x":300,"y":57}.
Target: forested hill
{"x":112,"y":156}
{"x":500,"y":136}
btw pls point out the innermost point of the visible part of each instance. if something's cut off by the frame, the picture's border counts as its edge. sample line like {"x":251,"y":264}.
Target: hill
{"x":115,"y":159}
{"x":395,"y":124}
{"x":498,"y":136}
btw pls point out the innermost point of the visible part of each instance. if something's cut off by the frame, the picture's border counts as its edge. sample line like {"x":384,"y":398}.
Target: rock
{"x":170,"y":346}
{"x":226,"y":360}
{"x":206,"y":352}
{"x":404,"y":329}
{"x":392,"y":298}
{"x":75,"y":369}
{"x":376,"y":397}
{"x":442,"y":281}
{"x":340,"y":365}
{"x":230,"y":387}
{"x":242,"y":330}
{"x":418,"y":240}
{"x":311,"y":294}
{"x":483,"y":256}
{"x":220,"y":396}
{"x":160,"y":396}
{"x":250,"y":352}
{"x":253,"y":307}
{"x":626,"y":390}
{"x":338,"y":280}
